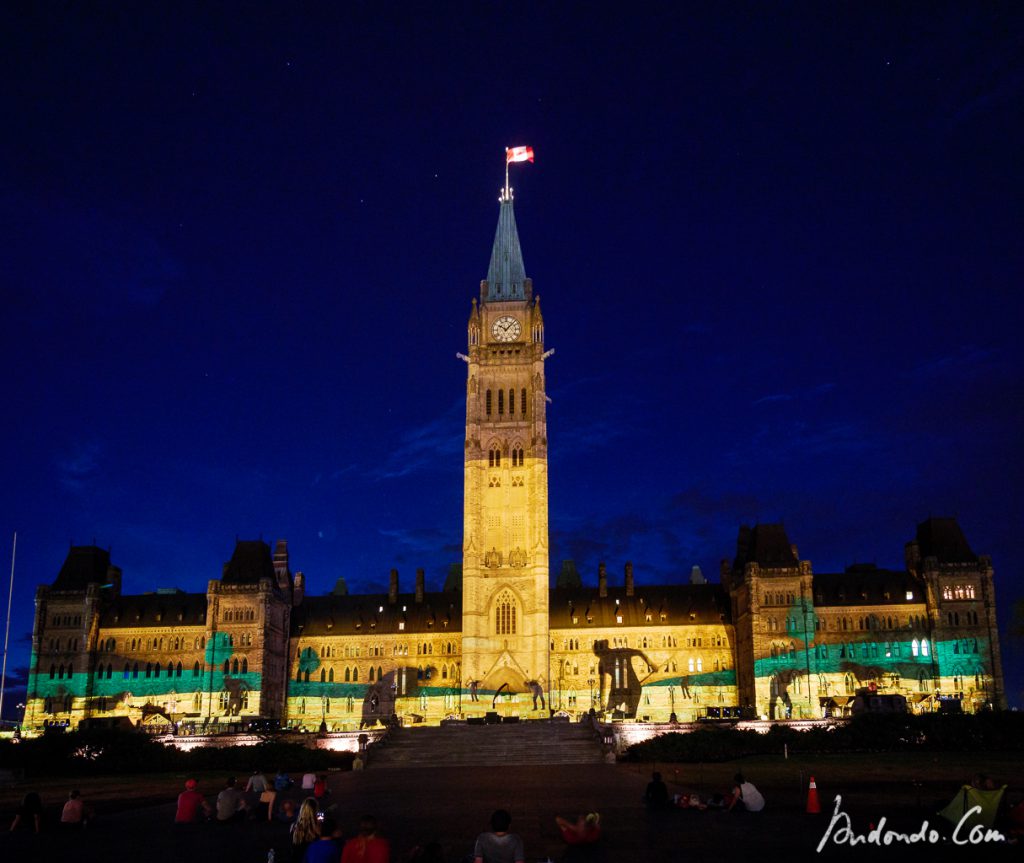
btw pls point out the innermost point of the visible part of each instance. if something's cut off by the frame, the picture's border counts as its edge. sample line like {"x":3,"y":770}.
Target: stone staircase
{"x":504,"y":744}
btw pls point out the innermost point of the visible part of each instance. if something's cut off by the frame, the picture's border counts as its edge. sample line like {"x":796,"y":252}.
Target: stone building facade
{"x":773,"y":638}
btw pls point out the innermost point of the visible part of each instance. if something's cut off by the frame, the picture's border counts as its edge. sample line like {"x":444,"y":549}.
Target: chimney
{"x":602,"y":580}
{"x":298,"y":589}
{"x":393,"y":587}
{"x":629,"y":578}
{"x":419,"y":585}
{"x":281,"y":564}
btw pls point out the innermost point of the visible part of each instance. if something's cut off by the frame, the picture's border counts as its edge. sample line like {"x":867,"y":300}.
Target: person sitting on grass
{"x":746,"y":794}
{"x":75,"y":812}
{"x":191,"y":805}
{"x":306,"y":829}
{"x":326,"y":849}
{"x":230,"y":803}
{"x":367,"y":847}
{"x":585,"y":830}
{"x":30,"y":814}
{"x":499,"y":846}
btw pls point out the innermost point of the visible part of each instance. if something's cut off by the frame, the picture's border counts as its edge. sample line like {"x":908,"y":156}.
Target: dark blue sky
{"x":779,"y":251}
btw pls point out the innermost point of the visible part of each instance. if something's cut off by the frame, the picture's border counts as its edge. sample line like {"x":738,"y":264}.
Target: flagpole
{"x":7,"y":631}
{"x":506,"y":173}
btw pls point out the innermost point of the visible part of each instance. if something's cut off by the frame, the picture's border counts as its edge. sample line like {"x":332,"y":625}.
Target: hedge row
{"x":931,"y":733}
{"x":114,"y":752}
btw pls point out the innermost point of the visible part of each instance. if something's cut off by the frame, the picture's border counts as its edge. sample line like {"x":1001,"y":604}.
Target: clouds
{"x":77,"y":468}
{"x":434,"y":445}
{"x":422,"y":541}
{"x":95,"y":263}
{"x":965,"y":362}
{"x":664,"y":539}
{"x":797,"y":395}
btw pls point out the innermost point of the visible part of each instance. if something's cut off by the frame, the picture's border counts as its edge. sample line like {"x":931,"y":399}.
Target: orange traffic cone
{"x":813,"y":806}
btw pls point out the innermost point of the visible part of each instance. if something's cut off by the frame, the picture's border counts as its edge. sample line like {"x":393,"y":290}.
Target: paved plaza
{"x":451,"y":805}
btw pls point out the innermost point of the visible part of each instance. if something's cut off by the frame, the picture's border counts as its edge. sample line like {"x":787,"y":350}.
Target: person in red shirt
{"x":586,"y":829}
{"x":191,"y":804}
{"x":367,"y":847}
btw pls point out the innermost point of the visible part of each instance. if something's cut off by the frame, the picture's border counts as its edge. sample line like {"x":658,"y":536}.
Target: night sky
{"x":778,"y":248}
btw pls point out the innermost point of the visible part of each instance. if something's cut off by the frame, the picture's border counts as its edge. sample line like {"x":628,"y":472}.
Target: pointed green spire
{"x":506,"y":276}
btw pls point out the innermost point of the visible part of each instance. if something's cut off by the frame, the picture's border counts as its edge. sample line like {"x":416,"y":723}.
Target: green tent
{"x":966,"y":799}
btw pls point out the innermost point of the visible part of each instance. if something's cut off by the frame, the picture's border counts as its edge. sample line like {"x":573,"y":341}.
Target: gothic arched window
{"x":522,"y":401}
{"x":505,"y":615}
{"x":501,"y":402}
{"x":511,"y":402}
{"x":488,"y":403}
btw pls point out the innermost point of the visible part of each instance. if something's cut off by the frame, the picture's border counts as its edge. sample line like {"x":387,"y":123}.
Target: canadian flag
{"x":518,"y":154}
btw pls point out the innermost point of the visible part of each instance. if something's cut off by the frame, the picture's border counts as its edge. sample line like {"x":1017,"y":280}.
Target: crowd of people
{"x":742,"y":796}
{"x":315,"y":833}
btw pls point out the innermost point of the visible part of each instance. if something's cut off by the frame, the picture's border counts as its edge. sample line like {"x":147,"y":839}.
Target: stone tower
{"x":505,"y":521}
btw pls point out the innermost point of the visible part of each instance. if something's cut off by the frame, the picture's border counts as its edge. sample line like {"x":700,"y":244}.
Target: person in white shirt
{"x":745,"y":793}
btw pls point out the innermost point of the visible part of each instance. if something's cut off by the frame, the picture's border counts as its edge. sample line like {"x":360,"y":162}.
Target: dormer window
{"x":401,"y":625}
{"x":618,"y":617}
{"x":910,"y":595}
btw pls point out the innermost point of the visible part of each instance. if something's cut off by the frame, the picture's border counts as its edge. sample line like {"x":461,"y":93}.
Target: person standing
{"x":656,"y":795}
{"x":498,"y":845}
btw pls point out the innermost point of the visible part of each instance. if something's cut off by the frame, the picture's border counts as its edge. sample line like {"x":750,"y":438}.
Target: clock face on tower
{"x":506,"y":329}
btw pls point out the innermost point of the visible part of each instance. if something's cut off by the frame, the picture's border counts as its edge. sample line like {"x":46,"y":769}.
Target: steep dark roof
{"x":156,"y":609}
{"x":766,"y":545}
{"x":506,"y":275}
{"x":367,"y":614}
{"x":84,"y":565}
{"x":250,"y":562}
{"x":942,"y":538}
{"x":866,"y":584}
{"x":680,"y":603}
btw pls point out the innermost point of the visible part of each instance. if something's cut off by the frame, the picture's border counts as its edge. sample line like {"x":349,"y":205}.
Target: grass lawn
{"x":903,"y":779}
{"x":909,"y":779}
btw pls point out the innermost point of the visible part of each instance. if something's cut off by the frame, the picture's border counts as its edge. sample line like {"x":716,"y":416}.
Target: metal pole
{"x":7,"y":631}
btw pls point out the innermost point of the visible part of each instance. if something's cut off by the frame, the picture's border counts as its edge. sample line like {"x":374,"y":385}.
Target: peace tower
{"x":505,"y":520}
